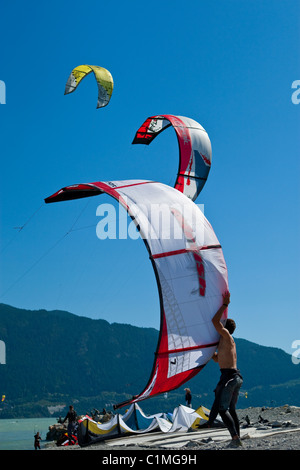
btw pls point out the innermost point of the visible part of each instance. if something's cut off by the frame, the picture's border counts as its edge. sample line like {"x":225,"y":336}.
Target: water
{"x":18,"y":434}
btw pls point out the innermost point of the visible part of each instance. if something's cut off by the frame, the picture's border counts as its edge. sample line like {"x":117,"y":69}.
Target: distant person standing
{"x":188,"y":397}
{"x":72,"y":419}
{"x":37,"y":439}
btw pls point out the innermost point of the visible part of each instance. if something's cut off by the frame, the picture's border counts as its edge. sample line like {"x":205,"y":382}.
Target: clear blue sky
{"x":227,"y":64}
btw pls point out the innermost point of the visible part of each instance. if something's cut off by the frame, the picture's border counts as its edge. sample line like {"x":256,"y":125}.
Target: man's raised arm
{"x":217,"y":317}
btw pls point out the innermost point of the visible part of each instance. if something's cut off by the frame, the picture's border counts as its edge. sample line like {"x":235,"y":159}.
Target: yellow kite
{"x":103,"y":78}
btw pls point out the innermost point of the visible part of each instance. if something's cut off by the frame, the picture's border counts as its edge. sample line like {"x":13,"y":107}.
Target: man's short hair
{"x":230,"y":325}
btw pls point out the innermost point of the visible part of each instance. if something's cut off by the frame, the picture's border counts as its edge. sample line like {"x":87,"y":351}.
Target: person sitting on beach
{"x":228,"y":387}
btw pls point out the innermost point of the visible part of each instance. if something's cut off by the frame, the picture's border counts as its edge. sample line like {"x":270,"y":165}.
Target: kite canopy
{"x":103,"y":78}
{"x":195,"y":152}
{"x":190,"y":271}
{"x":134,"y":421}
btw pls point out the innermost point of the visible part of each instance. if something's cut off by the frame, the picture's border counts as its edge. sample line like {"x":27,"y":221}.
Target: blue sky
{"x":230,"y":66}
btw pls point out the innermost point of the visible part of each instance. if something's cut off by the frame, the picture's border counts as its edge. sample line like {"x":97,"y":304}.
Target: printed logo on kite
{"x":193,"y":247}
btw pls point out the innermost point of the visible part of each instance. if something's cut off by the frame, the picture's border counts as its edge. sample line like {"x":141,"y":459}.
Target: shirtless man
{"x":227,"y":390}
